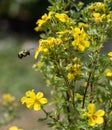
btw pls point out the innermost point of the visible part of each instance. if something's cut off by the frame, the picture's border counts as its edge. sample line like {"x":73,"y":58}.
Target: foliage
{"x":70,"y":57}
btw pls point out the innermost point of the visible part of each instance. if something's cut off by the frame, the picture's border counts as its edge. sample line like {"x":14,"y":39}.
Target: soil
{"x":28,"y":121}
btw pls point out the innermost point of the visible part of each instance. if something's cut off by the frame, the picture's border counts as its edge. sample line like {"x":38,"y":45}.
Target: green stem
{"x":85,"y":92}
{"x":73,"y":101}
{"x":54,"y":119}
{"x":68,"y":109}
{"x":67,"y":97}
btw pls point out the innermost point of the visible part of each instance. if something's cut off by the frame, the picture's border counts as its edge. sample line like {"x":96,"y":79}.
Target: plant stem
{"x":67,"y":107}
{"x":54,"y":119}
{"x":105,"y":124}
{"x":83,"y":102}
{"x":91,"y":93}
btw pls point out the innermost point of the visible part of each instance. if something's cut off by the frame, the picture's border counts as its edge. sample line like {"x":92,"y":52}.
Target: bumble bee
{"x":23,"y":53}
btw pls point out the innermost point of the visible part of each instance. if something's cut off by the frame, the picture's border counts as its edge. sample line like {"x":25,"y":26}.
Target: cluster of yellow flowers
{"x":73,"y":70}
{"x":61,"y":17}
{"x":80,"y":42}
{"x":99,"y":13}
{"x":46,"y":45}
{"x":43,"y":19}
{"x":97,"y":6}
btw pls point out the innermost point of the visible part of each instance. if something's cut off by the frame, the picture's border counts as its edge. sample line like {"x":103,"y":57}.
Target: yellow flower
{"x":80,"y":43}
{"x":109,"y":17}
{"x":96,"y":6}
{"x":37,"y":52}
{"x":76,"y":31}
{"x":63,"y":32}
{"x":78,"y":96}
{"x":8,"y":97}
{"x":34,"y":100}
{"x":81,"y":24}
{"x":68,"y":67}
{"x":80,"y":39}
{"x":108,"y":73}
{"x":14,"y":128}
{"x":53,"y":41}
{"x":91,"y":7}
{"x":43,"y":19}
{"x":45,"y":45}
{"x":110,"y":55}
{"x":70,"y":75}
{"x":98,"y":17}
{"x":76,"y":69}
{"x":94,"y":117}
{"x":62,"y":17}
{"x":57,"y":41}
{"x":100,"y":5}
{"x":37,"y":65}
{"x":73,"y":70}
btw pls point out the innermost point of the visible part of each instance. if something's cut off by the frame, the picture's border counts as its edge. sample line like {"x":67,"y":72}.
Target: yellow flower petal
{"x":23,"y":100}
{"x":100,"y":113}
{"x":99,"y":120}
{"x":30,"y":93}
{"x":37,"y":106}
{"x":30,"y":102}
{"x":36,"y":53}
{"x":62,"y":17}
{"x":43,"y":100}
{"x":91,"y":122}
{"x":108,"y":72}
{"x":39,"y":95}
{"x":91,"y":108}
{"x":110,"y":54}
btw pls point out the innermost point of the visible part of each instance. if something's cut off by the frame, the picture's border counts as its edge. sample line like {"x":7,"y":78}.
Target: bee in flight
{"x":24,"y":53}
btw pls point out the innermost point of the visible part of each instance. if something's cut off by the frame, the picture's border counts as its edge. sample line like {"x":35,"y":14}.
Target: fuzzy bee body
{"x":23,"y":53}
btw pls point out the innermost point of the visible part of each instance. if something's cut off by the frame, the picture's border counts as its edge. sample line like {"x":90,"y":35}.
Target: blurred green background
{"x":17,"y":75}
{"x":17,"y":22}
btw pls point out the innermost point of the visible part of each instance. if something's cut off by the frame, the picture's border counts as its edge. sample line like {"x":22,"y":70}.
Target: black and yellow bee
{"x":23,"y":53}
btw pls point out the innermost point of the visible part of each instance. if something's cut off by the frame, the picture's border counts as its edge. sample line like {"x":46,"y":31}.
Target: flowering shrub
{"x":79,"y":74}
